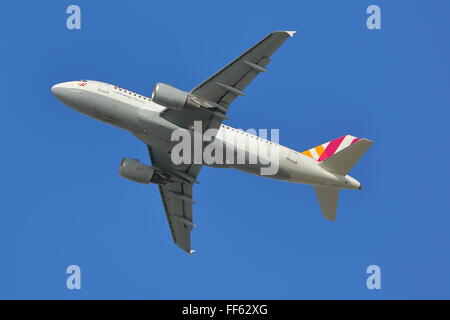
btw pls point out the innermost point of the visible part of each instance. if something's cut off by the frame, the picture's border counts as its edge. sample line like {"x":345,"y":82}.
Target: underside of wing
{"x":224,"y":86}
{"x":177,"y":197}
{"x":179,"y":213}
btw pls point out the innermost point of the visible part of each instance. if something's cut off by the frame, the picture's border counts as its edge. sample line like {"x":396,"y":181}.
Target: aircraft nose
{"x":62,"y":91}
{"x":58,"y":90}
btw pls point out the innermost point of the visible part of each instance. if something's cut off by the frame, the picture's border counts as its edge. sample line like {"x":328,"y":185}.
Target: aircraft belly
{"x":154,"y":130}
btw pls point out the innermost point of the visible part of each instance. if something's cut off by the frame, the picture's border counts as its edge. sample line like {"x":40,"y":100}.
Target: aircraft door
{"x":103,"y":87}
{"x":293,"y":156}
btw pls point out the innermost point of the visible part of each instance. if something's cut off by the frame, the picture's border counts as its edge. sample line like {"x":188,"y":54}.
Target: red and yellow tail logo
{"x":326,"y":150}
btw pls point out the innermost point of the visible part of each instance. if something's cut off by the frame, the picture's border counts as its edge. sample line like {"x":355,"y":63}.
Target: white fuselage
{"x":141,"y":116}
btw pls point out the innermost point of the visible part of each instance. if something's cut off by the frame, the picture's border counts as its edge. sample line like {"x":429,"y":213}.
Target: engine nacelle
{"x":169,"y":97}
{"x":134,"y":170}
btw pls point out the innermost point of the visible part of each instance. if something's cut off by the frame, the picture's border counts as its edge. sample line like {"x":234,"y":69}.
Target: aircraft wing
{"x":224,"y":86}
{"x":177,"y":198}
{"x":228,"y":83}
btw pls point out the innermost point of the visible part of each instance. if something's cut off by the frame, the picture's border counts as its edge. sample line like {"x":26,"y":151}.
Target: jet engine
{"x":176,"y":99}
{"x":134,"y":170}
{"x":169,"y":97}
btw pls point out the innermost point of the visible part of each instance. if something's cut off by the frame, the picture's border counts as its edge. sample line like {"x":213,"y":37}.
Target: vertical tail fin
{"x":337,"y":156}
{"x":341,"y":162}
{"x":328,"y":149}
{"x":341,"y":154}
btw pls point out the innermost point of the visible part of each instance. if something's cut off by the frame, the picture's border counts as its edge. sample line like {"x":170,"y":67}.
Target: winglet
{"x":192,"y":251}
{"x":291,"y":33}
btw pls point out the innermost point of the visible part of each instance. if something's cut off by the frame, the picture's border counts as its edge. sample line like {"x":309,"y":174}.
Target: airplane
{"x":154,"y":120}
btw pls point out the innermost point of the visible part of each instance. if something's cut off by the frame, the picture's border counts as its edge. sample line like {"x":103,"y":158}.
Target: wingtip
{"x":291,"y":33}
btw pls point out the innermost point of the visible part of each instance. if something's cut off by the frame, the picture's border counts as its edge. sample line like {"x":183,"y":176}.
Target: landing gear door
{"x":103,"y":87}
{"x":293,"y":156}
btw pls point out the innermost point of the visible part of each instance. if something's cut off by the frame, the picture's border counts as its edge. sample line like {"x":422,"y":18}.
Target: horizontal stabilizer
{"x":341,"y":162}
{"x":328,"y":199}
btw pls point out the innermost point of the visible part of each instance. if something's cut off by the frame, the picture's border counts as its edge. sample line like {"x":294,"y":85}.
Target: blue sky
{"x":63,"y":202}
